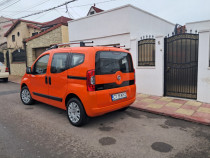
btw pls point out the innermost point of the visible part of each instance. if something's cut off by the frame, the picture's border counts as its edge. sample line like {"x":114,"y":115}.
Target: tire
{"x":25,"y":96}
{"x":76,"y":112}
{"x":123,"y":109}
{"x":5,"y":79}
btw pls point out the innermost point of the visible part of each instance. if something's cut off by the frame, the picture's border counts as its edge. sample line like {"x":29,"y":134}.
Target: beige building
{"x":15,"y":52}
{"x":5,"y":24}
{"x":55,"y":31}
{"x":26,"y":40}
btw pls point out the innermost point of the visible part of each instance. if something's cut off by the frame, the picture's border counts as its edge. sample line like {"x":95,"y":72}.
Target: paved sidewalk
{"x":15,"y":79}
{"x":179,"y":108}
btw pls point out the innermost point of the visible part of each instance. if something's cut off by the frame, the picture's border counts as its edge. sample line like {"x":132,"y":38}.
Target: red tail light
{"x":6,"y":70}
{"x":91,"y":80}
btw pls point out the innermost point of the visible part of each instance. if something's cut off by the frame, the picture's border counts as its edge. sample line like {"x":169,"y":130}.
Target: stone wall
{"x":16,"y":68}
{"x":52,"y":37}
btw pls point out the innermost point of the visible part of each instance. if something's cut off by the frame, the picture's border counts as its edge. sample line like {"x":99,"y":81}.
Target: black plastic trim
{"x":77,"y":77}
{"x":99,"y":87}
{"x":48,"y":97}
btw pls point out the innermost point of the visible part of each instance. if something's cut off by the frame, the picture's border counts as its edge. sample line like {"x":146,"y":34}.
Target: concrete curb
{"x":173,"y":116}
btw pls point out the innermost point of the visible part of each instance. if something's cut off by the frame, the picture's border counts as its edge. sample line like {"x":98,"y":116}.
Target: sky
{"x":175,"y":11}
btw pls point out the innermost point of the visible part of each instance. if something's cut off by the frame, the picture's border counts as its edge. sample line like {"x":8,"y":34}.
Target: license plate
{"x":119,"y":96}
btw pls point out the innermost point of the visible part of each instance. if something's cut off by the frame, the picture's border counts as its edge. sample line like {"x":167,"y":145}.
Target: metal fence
{"x":1,"y":57}
{"x":19,"y":55}
{"x":146,"y":52}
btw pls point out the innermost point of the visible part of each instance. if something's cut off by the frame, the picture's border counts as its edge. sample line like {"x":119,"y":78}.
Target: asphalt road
{"x":44,"y":131}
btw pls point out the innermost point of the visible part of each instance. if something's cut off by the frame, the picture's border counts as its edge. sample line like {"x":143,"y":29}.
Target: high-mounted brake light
{"x":6,"y":69}
{"x":91,"y":80}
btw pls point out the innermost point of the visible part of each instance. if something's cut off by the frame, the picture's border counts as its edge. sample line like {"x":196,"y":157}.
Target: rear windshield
{"x":109,"y":62}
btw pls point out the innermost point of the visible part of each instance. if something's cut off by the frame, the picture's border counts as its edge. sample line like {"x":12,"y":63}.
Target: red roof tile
{"x":33,"y":26}
{"x":42,"y":33}
{"x":16,"y":23}
{"x":61,"y":20}
{"x":97,"y":10}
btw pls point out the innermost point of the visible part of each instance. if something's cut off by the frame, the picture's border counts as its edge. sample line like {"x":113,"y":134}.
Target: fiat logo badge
{"x":118,"y":77}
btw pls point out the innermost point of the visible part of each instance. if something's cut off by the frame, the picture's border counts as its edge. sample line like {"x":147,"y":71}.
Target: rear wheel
{"x":5,"y":79}
{"x":76,"y":112}
{"x":26,"y":96}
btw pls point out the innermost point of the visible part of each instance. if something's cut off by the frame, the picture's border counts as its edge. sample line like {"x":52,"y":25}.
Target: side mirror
{"x":28,"y":70}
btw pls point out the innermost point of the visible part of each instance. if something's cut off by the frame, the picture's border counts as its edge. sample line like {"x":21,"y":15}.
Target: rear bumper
{"x":103,"y":110}
{"x":4,"y":75}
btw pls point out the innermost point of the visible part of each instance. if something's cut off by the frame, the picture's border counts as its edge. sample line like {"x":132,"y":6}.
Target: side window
{"x":13,"y":38}
{"x":77,"y":59}
{"x":40,"y":66}
{"x":59,"y":62}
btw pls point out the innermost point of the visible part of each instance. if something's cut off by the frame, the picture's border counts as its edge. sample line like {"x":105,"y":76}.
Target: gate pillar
{"x":204,"y":67}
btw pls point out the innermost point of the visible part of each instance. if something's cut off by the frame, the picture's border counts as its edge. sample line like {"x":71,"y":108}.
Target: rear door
{"x":114,"y":77}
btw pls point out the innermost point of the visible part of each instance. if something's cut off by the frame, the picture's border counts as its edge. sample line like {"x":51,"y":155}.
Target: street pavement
{"x":186,"y":109}
{"x":44,"y":131}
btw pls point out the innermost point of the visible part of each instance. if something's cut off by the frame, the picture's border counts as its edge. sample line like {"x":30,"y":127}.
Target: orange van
{"x":84,"y":81}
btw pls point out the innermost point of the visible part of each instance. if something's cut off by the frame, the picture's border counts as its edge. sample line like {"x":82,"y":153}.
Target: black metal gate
{"x":181,"y":65}
{"x":8,"y":61}
{"x":1,"y":57}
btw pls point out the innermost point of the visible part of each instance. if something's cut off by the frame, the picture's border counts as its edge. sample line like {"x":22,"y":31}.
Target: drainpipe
{"x":24,"y":45}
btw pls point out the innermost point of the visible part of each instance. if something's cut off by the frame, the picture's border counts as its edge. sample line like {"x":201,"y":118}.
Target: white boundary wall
{"x":203,"y":93}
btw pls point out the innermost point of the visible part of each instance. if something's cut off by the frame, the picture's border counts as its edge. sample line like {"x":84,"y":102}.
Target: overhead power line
{"x":34,"y":6}
{"x":46,"y":10}
{"x":10,"y":5}
{"x":5,"y":2}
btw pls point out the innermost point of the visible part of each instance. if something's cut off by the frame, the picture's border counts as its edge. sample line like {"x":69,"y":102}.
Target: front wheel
{"x":26,"y":96}
{"x":76,"y":112}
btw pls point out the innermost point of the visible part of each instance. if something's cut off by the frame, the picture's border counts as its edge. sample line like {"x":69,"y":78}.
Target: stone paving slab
{"x":189,"y":110}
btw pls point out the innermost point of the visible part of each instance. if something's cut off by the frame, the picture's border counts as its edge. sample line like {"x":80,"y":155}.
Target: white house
{"x":136,"y":28}
{"x":126,"y":25}
{"x":198,"y":26}
{"x":203,"y":28}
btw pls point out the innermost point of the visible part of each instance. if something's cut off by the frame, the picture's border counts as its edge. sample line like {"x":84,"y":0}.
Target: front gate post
{"x":204,"y":67}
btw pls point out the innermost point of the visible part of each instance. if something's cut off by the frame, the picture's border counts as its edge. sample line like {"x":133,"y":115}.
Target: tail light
{"x":91,"y":80}
{"x":7,"y":69}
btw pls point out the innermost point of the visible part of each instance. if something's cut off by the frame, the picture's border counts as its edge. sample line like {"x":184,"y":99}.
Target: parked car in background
{"x":84,"y":81}
{"x":4,"y":72}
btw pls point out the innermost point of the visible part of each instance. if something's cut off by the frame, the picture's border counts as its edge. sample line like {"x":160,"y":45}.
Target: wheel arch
{"x":23,"y":85}
{"x":72,"y":95}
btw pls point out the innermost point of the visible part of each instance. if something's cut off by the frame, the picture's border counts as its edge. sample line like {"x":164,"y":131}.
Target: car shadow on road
{"x":111,"y":117}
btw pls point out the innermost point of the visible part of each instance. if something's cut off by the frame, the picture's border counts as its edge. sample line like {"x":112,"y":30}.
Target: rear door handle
{"x":45,"y":79}
{"x":49,"y":80}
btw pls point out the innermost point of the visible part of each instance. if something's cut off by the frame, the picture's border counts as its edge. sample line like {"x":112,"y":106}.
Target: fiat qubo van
{"x":84,"y":81}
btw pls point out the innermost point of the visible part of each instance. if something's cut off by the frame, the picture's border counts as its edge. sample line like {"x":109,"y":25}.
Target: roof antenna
{"x":94,"y":5}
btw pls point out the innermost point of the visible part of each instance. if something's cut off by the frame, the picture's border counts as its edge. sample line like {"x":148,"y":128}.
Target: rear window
{"x":109,"y":62}
{"x":77,"y":59}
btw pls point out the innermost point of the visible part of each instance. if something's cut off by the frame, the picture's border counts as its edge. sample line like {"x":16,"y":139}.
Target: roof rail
{"x":82,"y":44}
{"x":112,"y":45}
